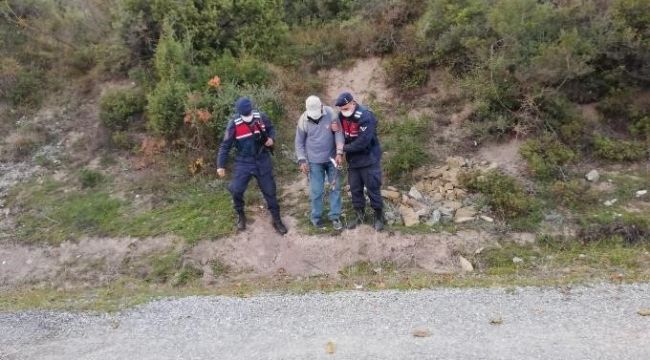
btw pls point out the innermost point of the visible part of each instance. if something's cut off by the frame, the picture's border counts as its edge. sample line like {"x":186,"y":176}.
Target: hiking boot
{"x":241,"y":221}
{"x":279,"y":226}
{"x":357,"y":219}
{"x":379,"y":220}
{"x":336,"y":224}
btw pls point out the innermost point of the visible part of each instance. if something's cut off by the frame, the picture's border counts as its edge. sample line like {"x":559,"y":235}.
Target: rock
{"x":449,"y":186}
{"x":434,"y":218}
{"x":592,"y":176}
{"x":415,"y":194}
{"x":435,"y":173}
{"x":644,"y":312}
{"x":487,"y":219}
{"x":517,"y":260}
{"x":421,"y":332}
{"x":330,"y":347}
{"x":391,"y":188}
{"x":496,"y":321}
{"x":465,"y":265}
{"x":641,"y":193}
{"x":610,"y":202}
{"x":460,"y":193}
{"x":456,"y":162}
{"x":437,"y":197}
{"x":390,"y":194}
{"x":409,"y":216}
{"x":464,"y":215}
{"x":454,"y":205}
{"x":423,"y":212}
{"x":451,"y":176}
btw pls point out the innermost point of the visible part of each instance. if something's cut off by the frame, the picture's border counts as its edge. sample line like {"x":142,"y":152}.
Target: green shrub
{"x":211,"y":26}
{"x":164,"y":266}
{"x":166,"y":107}
{"x":406,"y":72}
{"x":242,"y":70}
{"x":117,"y":108}
{"x":28,"y":88}
{"x":619,"y":150}
{"x":404,"y":143}
{"x":574,"y":194}
{"x":546,"y":157}
{"x":90,"y":178}
{"x":503,"y":193}
{"x":641,"y":127}
{"x":121,"y":140}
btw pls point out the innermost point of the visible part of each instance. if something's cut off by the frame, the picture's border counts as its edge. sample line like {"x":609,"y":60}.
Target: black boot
{"x":379,"y":220}
{"x":241,"y":221}
{"x":278,"y":225}
{"x":357,"y":219}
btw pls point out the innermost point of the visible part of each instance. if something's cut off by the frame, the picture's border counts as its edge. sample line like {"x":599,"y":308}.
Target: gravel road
{"x":596,"y":322}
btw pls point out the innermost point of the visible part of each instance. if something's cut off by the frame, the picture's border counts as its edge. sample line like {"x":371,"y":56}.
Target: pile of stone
{"x":437,"y":197}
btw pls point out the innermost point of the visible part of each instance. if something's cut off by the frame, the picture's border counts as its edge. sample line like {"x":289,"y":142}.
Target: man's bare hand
{"x":221,"y":172}
{"x":339,"y":160}
{"x":304,"y":168}
{"x":269,"y":142}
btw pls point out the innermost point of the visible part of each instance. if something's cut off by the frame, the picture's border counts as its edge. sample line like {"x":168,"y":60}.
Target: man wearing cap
{"x":319,"y":149}
{"x":253,"y":136}
{"x":363,"y":155}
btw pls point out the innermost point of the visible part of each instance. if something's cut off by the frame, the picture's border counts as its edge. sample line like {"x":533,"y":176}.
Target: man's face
{"x":348,"y":107}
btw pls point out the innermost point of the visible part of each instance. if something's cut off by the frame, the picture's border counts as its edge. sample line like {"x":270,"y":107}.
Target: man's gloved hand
{"x":221,"y":172}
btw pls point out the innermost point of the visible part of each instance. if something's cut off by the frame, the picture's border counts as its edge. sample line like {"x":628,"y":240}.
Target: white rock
{"x":641,"y":193}
{"x":487,"y":219}
{"x":517,"y":260}
{"x":592,"y":176}
{"x":409,"y":216}
{"x":465,"y":264}
{"x":435,"y":218}
{"x":464,"y":215}
{"x":610,"y":202}
{"x":415,"y":194}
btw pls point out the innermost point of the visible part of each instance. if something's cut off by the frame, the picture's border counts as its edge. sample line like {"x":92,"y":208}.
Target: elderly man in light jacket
{"x":319,"y":149}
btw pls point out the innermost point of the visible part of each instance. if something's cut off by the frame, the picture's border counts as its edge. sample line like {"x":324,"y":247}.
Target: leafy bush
{"x":211,"y":26}
{"x":546,"y":157}
{"x":117,"y":108}
{"x":404,"y":142}
{"x":619,"y":150}
{"x":503,"y":193}
{"x":243,"y":70}
{"x":166,"y":107}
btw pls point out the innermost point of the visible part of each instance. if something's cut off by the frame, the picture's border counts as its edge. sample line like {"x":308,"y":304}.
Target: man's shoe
{"x":357,"y":219}
{"x":379,"y":220}
{"x":241,"y":221}
{"x":336,"y":224}
{"x":279,"y":226}
{"x":318,"y":224}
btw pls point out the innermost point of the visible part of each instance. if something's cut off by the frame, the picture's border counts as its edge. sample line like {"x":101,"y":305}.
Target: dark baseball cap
{"x":344,"y":99}
{"x":244,"y":106}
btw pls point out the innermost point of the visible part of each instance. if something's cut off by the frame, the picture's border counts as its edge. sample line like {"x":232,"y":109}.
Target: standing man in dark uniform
{"x":253,"y":136}
{"x":363,"y":155}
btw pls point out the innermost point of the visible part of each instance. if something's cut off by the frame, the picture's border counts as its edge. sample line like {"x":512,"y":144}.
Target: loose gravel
{"x":595,"y":322}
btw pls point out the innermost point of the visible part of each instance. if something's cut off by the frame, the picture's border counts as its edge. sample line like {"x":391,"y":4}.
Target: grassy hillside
{"x":112,"y":110}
